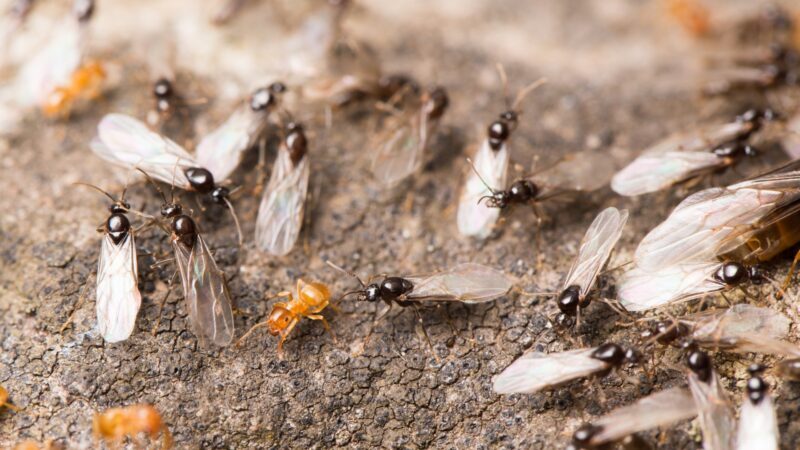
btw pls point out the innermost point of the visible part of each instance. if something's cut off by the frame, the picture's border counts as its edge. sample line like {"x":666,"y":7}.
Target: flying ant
{"x":309,"y":300}
{"x":115,"y":424}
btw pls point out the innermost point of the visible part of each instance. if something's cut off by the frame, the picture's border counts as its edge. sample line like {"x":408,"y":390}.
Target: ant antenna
{"x":235,"y":220}
{"x":492,"y":190}
{"x":160,"y":192}
{"x":347,"y":272}
{"x":504,"y":80}
{"x":525,"y":91}
{"x":79,"y":183}
{"x":342,"y":297}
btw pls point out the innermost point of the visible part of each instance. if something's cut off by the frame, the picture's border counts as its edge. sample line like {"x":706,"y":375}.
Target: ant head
{"x":699,"y":363}
{"x":279,"y":319}
{"x":119,"y":207}
{"x":220,"y":194}
{"x":498,"y":199}
{"x":162,"y":88}
{"x":262,"y":99}
{"x":731,"y":273}
{"x":584,"y":434}
{"x":632,"y":356}
{"x":170,"y":210}
{"x":371,"y":293}
{"x":277,"y":87}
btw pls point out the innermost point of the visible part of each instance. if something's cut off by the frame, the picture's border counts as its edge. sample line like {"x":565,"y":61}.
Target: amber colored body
{"x":692,"y":15}
{"x":4,"y":400}
{"x":85,"y":84}
{"x":309,"y":300}
{"x":116,"y":423}
{"x":767,"y":242}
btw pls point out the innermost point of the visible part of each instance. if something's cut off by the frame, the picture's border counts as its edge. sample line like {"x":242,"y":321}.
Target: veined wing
{"x":758,"y":425}
{"x":640,"y":290}
{"x":657,"y":410}
{"x":280,"y":215}
{"x":400,"y":152}
{"x":128,"y":143}
{"x":118,"y":297}
{"x":535,"y":371}
{"x":704,"y":139}
{"x":738,"y":322}
{"x":652,"y":172}
{"x":717,"y":419}
{"x":221,"y":150}
{"x":699,"y":226}
{"x":474,"y":218}
{"x":468,"y":283}
{"x":596,"y":247}
{"x":207,"y":298}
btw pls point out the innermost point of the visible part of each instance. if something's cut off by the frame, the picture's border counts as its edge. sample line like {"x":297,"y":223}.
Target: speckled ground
{"x":621,"y":75}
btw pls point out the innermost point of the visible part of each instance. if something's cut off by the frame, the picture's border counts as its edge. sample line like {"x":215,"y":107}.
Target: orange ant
{"x":309,"y":300}
{"x":4,"y":400}
{"x":692,"y":15}
{"x":84,"y":84}
{"x":116,"y":423}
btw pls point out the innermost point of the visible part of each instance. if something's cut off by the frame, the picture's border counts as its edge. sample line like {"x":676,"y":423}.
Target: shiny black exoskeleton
{"x":202,"y":181}
{"x":389,"y":290}
{"x":614,"y":355}
{"x":164,"y":94}
{"x":756,"y":386}
{"x":500,"y":130}
{"x":117,"y":226}
{"x":437,"y":103}
{"x":266,"y":97}
{"x":296,"y":142}
{"x":183,"y":226}
{"x":520,"y":191}
{"x":699,"y":363}
{"x":733,"y":273}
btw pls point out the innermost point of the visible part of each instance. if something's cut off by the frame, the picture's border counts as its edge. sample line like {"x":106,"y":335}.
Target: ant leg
{"x":261,"y":167}
{"x":166,"y":438}
{"x":164,"y":302}
{"x":727,"y":300}
{"x":789,"y":275}
{"x":284,"y":335}
{"x":11,"y":406}
{"x":421,"y":324}
{"x":377,"y":319}
{"x":78,"y":305}
{"x":250,"y":331}
{"x":324,"y":324}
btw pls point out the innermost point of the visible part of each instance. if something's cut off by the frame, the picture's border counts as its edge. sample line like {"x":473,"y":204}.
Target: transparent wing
{"x":758,"y":425}
{"x":280,"y":216}
{"x":309,"y":47}
{"x":53,"y":66}
{"x":468,"y":283}
{"x":477,"y":219}
{"x":742,"y":328}
{"x":717,"y":419}
{"x":596,"y":247}
{"x":703,"y":139}
{"x":118,"y":297}
{"x":640,"y":290}
{"x":400,"y":151}
{"x":657,"y":410}
{"x":656,"y":171}
{"x":703,"y":222}
{"x":535,"y":371}
{"x":128,"y":143}
{"x":207,"y":298}
{"x":221,"y":150}
{"x":582,"y":172}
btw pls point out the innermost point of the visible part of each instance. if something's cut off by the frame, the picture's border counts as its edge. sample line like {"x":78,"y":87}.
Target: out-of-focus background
{"x":621,"y":75}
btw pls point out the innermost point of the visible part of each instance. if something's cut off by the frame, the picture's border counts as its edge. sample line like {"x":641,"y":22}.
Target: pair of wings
{"x":401,"y":149}
{"x":678,"y":158}
{"x":758,"y":425}
{"x":535,"y":371}
{"x":280,"y":216}
{"x":595,"y":248}
{"x":206,"y":292}
{"x":466,"y":283}
{"x":128,"y":143}
{"x":117,"y":298}
{"x":475,"y":218}
{"x":716,"y":414}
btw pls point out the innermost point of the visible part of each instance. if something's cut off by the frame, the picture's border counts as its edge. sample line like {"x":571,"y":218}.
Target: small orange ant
{"x":84,"y":83}
{"x":4,"y":400}
{"x":116,"y":423}
{"x":309,"y":300}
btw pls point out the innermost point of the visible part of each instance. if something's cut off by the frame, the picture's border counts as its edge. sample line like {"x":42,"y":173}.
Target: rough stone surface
{"x":620,"y":77}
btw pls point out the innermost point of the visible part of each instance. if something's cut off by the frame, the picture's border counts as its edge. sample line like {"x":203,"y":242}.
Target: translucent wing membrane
{"x":717,"y":419}
{"x":127,"y":142}
{"x":207,"y":298}
{"x":703,"y":139}
{"x":758,"y":425}
{"x":743,"y":328}
{"x":699,"y":227}
{"x":535,"y":371}
{"x":657,"y":410}
{"x":468,"y":283}
{"x":474,"y":218}
{"x":653,"y":172}
{"x":280,"y":216}
{"x":640,"y":290}
{"x":221,"y":151}
{"x":402,"y":150}
{"x":53,"y":66}
{"x":118,"y":297}
{"x":596,"y":247}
